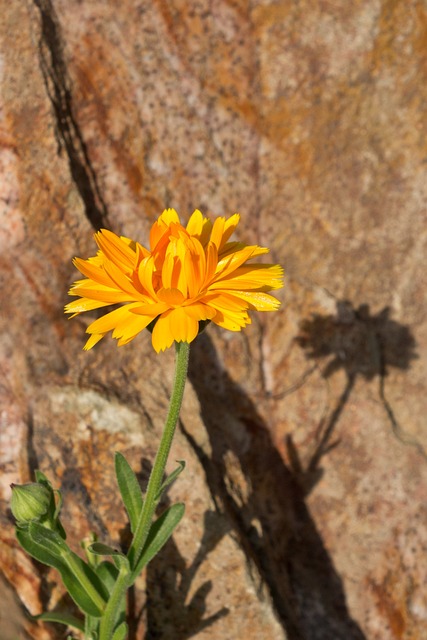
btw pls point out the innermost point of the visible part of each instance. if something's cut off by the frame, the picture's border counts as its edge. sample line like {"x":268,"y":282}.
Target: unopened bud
{"x":29,"y":501}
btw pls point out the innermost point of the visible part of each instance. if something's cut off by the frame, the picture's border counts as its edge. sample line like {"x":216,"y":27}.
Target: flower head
{"x":189,"y":275}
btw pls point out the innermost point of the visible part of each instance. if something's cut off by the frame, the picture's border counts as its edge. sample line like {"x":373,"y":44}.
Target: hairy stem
{"x":156,"y":477}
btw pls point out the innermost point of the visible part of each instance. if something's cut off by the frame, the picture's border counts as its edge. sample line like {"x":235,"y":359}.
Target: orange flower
{"x":189,"y":275}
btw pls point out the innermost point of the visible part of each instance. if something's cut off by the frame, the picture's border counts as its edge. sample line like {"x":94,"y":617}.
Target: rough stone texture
{"x":304,"y":436}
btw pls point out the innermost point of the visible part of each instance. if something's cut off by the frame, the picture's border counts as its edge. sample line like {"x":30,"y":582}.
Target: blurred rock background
{"x":305,"y":435}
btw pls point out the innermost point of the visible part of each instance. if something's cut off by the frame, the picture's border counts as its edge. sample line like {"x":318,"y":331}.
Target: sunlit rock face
{"x":305,"y":435}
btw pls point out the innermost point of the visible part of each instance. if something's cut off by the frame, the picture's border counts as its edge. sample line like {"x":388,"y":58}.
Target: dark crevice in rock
{"x":69,"y":135}
{"x":32,"y":457}
{"x":268,"y":511}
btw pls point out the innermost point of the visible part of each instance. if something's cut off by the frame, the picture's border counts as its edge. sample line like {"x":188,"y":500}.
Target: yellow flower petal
{"x":93,"y":340}
{"x":229,"y":228}
{"x":96,"y":291}
{"x":211,"y":264}
{"x":145,"y":275}
{"x":226,"y":301}
{"x":93,"y":271}
{"x":258,"y":300}
{"x":231,"y":262}
{"x":200,"y":311}
{"x":83,"y":304}
{"x":129,"y":327}
{"x":120,"y":280}
{"x":111,"y":320}
{"x":217,"y":232}
{"x":171,"y":297}
{"x":161,"y":228}
{"x":256,"y":276}
{"x":231,"y":322}
{"x":162,"y":337}
{"x":189,"y":275}
{"x":153,"y":309}
{"x":195,"y":223}
{"x":223,"y":229}
{"x":168,"y":216}
{"x":199,"y":227}
{"x":183,"y":326}
{"x":115,"y":249}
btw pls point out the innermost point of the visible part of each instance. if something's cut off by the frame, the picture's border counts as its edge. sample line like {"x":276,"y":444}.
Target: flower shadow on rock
{"x":359,"y":343}
{"x":362,"y":345}
{"x":265,"y":507}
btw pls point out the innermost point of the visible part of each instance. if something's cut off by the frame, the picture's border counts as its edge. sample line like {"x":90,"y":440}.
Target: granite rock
{"x":304,"y":436}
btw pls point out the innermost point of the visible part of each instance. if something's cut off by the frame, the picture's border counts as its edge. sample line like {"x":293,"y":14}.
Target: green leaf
{"x":49,"y":539}
{"x":100,"y":549}
{"x":119,"y":558}
{"x":59,"y":505}
{"x":121,"y":632}
{"x":107,"y":572}
{"x":40,"y":477}
{"x":81,"y":582}
{"x":42,"y":554}
{"x":62,"y":618}
{"x":160,"y":532}
{"x":79,"y":592}
{"x":173,"y":476}
{"x":129,"y":489}
{"x":54,"y":508}
{"x":38,"y":551}
{"x":84,"y":544}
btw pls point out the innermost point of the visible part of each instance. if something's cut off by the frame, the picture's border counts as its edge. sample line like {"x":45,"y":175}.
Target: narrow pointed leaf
{"x":55,"y":552}
{"x":54,"y":508}
{"x":38,"y":551}
{"x":42,"y":554}
{"x":107,"y":572}
{"x":129,"y":489}
{"x":79,"y":594}
{"x":173,"y":476}
{"x":62,"y":618}
{"x":90,"y":557}
{"x":121,"y":632}
{"x":40,"y":477}
{"x":119,"y":558}
{"x":160,"y":532}
{"x":100,"y":549}
{"x":59,"y":505}
{"x":49,"y":539}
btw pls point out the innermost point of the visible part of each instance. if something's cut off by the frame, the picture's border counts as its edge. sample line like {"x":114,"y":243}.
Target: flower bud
{"x":29,"y":501}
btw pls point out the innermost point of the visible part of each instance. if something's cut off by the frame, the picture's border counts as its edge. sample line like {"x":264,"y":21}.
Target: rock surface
{"x":304,"y":436}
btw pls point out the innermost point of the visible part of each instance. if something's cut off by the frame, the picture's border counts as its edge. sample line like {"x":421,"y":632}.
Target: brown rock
{"x":304,"y":436}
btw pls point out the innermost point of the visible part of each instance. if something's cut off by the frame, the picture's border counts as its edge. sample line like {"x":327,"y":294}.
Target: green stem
{"x":156,"y":477}
{"x":109,"y":618}
{"x":80,"y":575}
{"x":90,"y":626}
